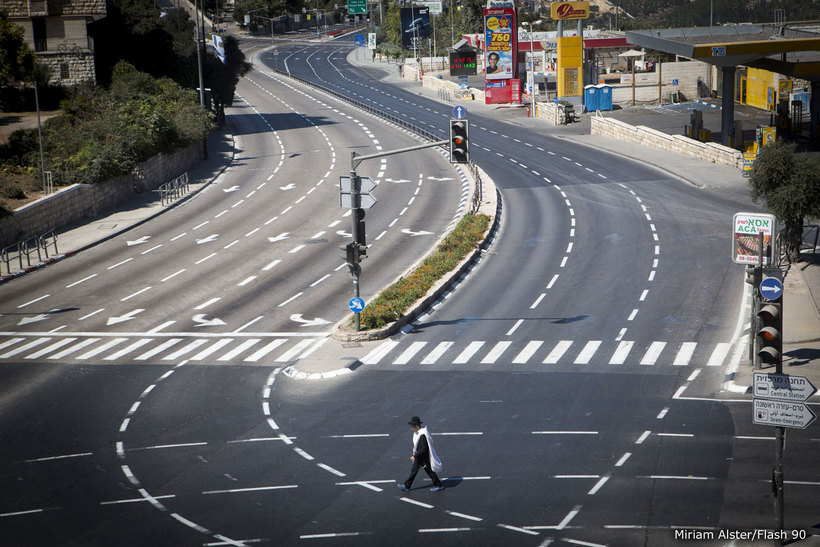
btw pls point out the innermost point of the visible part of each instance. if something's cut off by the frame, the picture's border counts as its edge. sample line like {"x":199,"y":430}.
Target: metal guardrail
{"x":25,"y":250}
{"x":420,"y":131}
{"x":173,"y":190}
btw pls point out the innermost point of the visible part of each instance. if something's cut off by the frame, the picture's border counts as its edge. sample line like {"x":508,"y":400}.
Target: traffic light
{"x":352,"y":253}
{"x":459,"y":141}
{"x":361,"y":240}
{"x":770,"y":333}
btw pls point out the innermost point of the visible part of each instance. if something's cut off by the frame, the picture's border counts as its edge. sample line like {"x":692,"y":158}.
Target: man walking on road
{"x":424,"y":455}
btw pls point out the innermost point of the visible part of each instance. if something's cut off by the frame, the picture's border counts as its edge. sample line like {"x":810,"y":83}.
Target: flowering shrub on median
{"x":397,"y":298}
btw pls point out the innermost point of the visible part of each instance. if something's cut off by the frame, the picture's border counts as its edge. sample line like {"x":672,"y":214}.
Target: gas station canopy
{"x":790,"y":49}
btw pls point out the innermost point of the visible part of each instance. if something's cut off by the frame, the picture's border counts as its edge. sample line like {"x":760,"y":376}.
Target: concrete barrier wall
{"x":679,"y":144}
{"x":70,"y":204}
{"x":433,"y":82}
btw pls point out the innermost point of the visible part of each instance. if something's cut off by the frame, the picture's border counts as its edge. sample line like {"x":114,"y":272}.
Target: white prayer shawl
{"x":435,"y":462}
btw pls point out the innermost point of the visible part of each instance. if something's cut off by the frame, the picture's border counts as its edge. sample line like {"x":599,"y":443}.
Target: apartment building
{"x":57,"y":31}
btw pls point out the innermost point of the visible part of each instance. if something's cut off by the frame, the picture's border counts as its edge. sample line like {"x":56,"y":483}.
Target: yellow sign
{"x":570,"y":66}
{"x":784,"y":87}
{"x":569,"y":10}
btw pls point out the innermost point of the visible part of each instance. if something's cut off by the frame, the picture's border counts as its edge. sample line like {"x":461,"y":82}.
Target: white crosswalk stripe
{"x":264,"y":350}
{"x":528,"y":351}
{"x":24,"y":348}
{"x":437,"y":352}
{"x":74,"y":349}
{"x":652,"y":354}
{"x":586,"y":354}
{"x":557,"y":352}
{"x":184,"y":350}
{"x":496,"y":353}
{"x":465,"y":356}
{"x":685,"y":353}
{"x":376,"y":355}
{"x":719,"y":354}
{"x":621,"y":353}
{"x":593,"y":351}
{"x":159,"y":349}
{"x":239,"y":349}
{"x":98,"y":350}
{"x":401,"y":352}
{"x":128,"y":349}
{"x":409,"y":353}
{"x":213,"y":348}
{"x":55,"y":346}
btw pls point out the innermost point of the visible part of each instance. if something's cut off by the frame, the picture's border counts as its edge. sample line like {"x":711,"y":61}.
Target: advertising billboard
{"x":500,"y":46}
{"x":569,"y":10}
{"x":415,"y":25}
{"x":745,"y":245}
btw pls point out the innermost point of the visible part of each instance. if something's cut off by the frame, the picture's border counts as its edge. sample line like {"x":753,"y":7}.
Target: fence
{"x":173,"y":190}
{"x":24,"y":250}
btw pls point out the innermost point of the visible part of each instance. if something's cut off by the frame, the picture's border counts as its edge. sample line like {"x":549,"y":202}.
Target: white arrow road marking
{"x":440,"y":178}
{"x":143,"y":239}
{"x":308,"y":322}
{"x":397,"y":181}
{"x":122,"y":318}
{"x":41,"y":317}
{"x":208,"y":239}
{"x":414,"y":234}
{"x":343,"y":233}
{"x":280,"y":237}
{"x":27,"y":320}
{"x":290,"y":186}
{"x":231,"y":189}
{"x":202,"y":322}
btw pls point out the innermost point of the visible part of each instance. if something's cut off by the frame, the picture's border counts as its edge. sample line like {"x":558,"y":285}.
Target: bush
{"x":12,"y":191}
{"x":397,"y":298}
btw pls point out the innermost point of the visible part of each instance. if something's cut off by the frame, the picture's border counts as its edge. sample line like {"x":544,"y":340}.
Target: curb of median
{"x":62,"y":256}
{"x":491,"y":207}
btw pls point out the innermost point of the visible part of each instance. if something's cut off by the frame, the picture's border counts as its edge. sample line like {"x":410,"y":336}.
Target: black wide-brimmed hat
{"x":415,"y":420}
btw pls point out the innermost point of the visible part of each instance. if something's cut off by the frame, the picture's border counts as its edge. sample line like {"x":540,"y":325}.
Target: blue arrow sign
{"x":459,"y":112}
{"x":356,"y":304}
{"x":771,"y":288}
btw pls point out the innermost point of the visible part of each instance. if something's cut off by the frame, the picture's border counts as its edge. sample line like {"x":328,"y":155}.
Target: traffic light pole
{"x":357,"y":248}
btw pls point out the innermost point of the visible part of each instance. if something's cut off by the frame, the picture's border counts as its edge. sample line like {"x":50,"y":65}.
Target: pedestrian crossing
{"x":146,"y":349}
{"x":482,"y":352}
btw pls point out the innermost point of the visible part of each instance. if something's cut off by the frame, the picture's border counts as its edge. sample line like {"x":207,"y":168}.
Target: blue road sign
{"x":356,"y":304}
{"x":359,"y":40}
{"x":459,"y":112}
{"x":771,"y":288}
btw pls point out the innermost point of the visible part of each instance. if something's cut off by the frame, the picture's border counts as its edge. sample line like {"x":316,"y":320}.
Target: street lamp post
{"x":532,"y":66}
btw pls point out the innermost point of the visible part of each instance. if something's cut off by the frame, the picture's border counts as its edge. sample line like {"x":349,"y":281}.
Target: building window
{"x":64,"y":72}
{"x":38,"y":27}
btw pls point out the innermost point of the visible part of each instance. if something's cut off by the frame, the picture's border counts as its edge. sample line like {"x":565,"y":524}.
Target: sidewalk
{"x":81,"y":235}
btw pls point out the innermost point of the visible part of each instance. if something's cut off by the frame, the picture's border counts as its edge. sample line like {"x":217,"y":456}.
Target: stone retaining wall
{"x":70,"y":204}
{"x":646,"y":136}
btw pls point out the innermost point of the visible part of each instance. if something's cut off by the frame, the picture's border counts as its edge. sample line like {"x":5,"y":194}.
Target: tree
{"x":788,"y":184}
{"x":16,"y":59}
